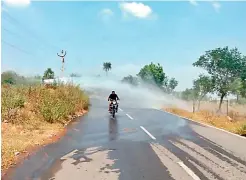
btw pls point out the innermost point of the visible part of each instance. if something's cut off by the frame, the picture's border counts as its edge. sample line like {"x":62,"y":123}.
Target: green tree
{"x":130,"y":80}
{"x":38,"y":77}
{"x":172,"y":84}
{"x":107,"y":66}
{"x":243,"y":78}
{"x":236,"y":87}
{"x":202,"y":86}
{"x":9,"y":77}
{"x":243,"y":89}
{"x":224,"y":65}
{"x":49,"y":74}
{"x":153,"y":74}
{"x":188,"y":94}
{"x":75,"y":75}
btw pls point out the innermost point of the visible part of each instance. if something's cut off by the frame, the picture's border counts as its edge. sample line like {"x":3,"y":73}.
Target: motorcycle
{"x":113,"y":108}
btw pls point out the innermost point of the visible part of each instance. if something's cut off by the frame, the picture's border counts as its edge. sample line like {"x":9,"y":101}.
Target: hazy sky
{"x":129,"y":35}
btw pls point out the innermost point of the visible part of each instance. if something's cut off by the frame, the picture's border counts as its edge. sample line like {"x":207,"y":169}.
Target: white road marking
{"x":120,"y":109}
{"x":147,"y":132}
{"x":66,"y":156}
{"x":169,"y":160}
{"x":189,"y":171}
{"x":129,"y":116}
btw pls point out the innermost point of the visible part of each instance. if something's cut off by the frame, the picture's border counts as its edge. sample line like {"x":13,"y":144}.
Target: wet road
{"x":139,"y":144}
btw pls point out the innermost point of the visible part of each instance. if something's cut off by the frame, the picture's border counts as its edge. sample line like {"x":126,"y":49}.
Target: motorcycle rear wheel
{"x":113,"y":113}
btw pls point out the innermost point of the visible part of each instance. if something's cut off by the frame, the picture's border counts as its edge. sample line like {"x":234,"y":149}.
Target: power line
{"x":10,"y":32}
{"x":15,"y":47}
{"x":17,"y":35}
{"x":14,"y":21}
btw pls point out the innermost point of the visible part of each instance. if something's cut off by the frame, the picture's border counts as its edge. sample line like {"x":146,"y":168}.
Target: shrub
{"x":12,"y":100}
{"x":49,"y":104}
{"x":242,"y":130}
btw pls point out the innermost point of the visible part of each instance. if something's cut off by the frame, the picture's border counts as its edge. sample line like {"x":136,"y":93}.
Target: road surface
{"x":138,"y":144}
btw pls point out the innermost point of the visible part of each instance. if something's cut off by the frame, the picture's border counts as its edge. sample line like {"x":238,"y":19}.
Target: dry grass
{"x":16,"y":139}
{"x":239,"y":109}
{"x":235,"y":123}
{"x":31,"y":115}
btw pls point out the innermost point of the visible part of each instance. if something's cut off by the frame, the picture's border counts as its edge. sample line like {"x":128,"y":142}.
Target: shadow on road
{"x":113,"y":129}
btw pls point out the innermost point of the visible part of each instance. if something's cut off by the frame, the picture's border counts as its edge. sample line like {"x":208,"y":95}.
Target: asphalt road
{"x":138,"y":144}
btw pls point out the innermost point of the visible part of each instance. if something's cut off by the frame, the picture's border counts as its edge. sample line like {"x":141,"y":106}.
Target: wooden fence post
{"x":193,"y":106}
{"x":227,"y":108}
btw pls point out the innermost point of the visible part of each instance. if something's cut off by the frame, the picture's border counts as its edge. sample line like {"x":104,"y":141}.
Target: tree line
{"x":151,"y":74}
{"x":12,"y":78}
{"x":225,"y":75}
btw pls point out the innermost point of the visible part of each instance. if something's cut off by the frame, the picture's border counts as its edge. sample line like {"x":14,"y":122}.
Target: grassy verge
{"x":234,"y":123}
{"x":32,"y":115}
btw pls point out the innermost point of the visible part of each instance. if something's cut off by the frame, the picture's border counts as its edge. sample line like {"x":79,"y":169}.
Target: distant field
{"x":213,"y":107}
{"x":234,"y":122}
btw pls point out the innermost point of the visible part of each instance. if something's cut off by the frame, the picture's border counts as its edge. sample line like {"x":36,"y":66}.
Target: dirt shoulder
{"x":19,"y":143}
{"x":235,"y":124}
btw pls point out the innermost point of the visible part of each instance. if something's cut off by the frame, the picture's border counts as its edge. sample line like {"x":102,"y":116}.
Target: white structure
{"x":58,"y":80}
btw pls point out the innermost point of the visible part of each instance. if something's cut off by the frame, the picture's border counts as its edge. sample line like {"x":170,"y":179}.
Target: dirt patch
{"x":19,"y":143}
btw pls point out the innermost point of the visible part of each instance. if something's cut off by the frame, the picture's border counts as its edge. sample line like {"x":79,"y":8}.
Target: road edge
{"x":31,"y":150}
{"x":204,"y":124}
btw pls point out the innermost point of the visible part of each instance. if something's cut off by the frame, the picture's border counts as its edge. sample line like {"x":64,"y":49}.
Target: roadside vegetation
{"x":152,"y":75}
{"x":225,"y":76}
{"x":33,"y":114}
{"x":234,"y":123}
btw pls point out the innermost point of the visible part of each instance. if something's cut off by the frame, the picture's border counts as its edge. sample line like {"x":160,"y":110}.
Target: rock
{"x":229,"y":118}
{"x":50,"y":136}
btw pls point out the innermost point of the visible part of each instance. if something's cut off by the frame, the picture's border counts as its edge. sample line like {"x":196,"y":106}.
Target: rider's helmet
{"x":113,"y":92}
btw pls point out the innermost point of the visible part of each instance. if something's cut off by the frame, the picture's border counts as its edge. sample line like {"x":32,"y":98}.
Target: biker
{"x":113,"y":96}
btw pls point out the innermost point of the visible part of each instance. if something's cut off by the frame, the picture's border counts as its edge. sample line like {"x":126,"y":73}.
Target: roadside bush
{"x":13,"y":99}
{"x":34,"y":114}
{"x":22,"y":104}
{"x":242,"y":130}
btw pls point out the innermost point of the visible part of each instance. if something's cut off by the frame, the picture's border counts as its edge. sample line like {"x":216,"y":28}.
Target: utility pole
{"x":62,"y":56}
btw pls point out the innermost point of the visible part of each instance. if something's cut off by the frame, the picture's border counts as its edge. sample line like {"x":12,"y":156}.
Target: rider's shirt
{"x":113,"y":97}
